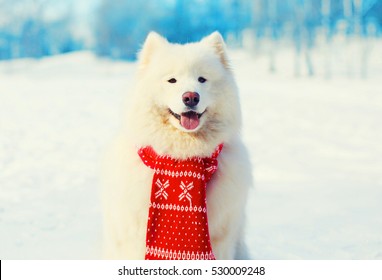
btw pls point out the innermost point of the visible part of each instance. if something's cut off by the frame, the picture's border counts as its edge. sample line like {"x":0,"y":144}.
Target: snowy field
{"x":316,"y":146}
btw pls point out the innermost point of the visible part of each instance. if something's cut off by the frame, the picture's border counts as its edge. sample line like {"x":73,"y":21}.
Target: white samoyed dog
{"x":185,"y":103}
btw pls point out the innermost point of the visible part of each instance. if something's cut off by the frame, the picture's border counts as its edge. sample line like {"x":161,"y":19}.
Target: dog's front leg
{"x":225,"y":237}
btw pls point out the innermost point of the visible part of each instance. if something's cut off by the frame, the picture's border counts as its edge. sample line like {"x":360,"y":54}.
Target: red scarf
{"x":177,"y":227}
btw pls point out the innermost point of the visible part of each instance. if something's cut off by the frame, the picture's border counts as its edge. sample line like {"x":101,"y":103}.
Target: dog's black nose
{"x":191,"y":99}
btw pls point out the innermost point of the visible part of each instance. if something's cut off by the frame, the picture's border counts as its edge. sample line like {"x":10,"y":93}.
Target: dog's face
{"x":188,"y":85}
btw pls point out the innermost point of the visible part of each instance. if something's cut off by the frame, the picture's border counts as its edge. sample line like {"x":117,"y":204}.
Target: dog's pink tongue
{"x":189,"y":120}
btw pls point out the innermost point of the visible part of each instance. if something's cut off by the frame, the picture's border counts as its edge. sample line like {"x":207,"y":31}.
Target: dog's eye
{"x":172,"y":81}
{"x":202,"y":80}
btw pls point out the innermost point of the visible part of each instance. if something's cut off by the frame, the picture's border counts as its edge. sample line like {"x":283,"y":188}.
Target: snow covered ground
{"x":316,"y":146}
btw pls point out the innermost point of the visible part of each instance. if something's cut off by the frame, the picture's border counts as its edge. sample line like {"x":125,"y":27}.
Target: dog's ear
{"x":216,"y":41}
{"x":153,"y":41}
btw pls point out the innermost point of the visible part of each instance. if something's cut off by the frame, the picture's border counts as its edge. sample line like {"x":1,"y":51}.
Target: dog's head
{"x":189,"y":88}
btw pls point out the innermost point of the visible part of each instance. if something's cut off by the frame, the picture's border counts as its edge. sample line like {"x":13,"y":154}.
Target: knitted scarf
{"x":177,"y":226}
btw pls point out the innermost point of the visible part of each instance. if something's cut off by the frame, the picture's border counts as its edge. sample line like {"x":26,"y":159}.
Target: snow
{"x":315,"y":143}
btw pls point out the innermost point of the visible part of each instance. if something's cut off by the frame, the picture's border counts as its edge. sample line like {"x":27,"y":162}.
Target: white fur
{"x":127,"y":181}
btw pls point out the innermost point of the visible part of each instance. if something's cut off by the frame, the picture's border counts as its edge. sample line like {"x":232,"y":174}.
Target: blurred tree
{"x":35,"y":28}
{"x":44,"y":27}
{"x":122,"y":25}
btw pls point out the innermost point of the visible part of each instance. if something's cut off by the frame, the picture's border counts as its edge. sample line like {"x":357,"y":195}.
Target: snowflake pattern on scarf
{"x":177,"y":226}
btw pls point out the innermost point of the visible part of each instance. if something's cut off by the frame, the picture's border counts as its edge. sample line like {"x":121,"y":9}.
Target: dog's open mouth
{"x":189,"y":120}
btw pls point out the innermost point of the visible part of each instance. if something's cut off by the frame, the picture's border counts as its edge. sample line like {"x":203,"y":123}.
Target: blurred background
{"x":116,"y":29}
{"x":309,"y":74}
